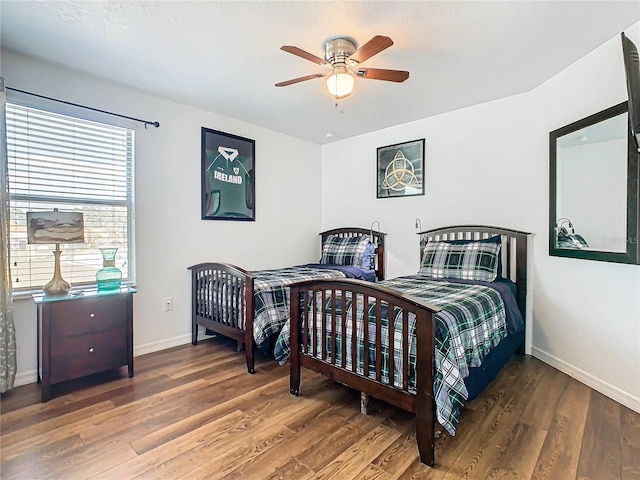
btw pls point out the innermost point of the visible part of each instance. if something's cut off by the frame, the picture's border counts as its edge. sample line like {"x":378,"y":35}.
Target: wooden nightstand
{"x":79,"y":335}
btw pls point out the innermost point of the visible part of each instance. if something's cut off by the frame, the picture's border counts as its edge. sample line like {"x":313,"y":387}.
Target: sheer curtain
{"x":7,"y":327}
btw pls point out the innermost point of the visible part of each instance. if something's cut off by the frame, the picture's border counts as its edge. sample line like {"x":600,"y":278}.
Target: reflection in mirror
{"x":566,"y":236}
{"x":593,"y":189}
{"x":591,"y":182}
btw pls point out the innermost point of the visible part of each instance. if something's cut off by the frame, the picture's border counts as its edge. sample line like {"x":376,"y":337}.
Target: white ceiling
{"x":224,"y":56}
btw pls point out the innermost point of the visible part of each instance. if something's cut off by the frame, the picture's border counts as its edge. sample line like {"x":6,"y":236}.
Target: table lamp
{"x":55,"y":227}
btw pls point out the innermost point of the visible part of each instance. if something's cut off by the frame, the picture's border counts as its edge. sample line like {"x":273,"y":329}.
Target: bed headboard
{"x":378,"y":239}
{"x":514,"y":251}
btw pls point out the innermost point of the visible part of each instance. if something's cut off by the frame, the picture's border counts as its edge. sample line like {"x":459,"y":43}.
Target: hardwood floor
{"x":194,"y":412}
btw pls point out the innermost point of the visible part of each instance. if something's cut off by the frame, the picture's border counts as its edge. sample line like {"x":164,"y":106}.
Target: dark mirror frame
{"x":633,"y":208}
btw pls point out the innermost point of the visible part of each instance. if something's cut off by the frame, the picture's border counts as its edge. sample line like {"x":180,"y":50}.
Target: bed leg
{"x":426,"y":433}
{"x":364,"y":403}
{"x":238,"y":346}
{"x":426,"y":444}
{"x":294,"y":372}
{"x":295,"y":324}
{"x":194,"y":305}
{"x":248,"y":353}
{"x":294,"y":381}
{"x":194,"y":333}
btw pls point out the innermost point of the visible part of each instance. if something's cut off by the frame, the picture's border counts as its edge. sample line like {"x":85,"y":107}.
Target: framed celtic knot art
{"x":228,"y":176}
{"x":401,"y":170}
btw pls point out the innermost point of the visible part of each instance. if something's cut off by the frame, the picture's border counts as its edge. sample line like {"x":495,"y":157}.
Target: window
{"x":75,"y":165}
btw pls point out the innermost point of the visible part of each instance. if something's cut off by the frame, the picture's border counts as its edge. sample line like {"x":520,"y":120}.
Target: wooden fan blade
{"x":301,"y":53}
{"x":383,"y":74}
{"x":300,"y":79}
{"x":371,"y":48}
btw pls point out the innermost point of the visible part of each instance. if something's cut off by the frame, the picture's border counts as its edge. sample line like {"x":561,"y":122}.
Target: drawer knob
{"x":92,"y":315}
{"x":91,"y":350}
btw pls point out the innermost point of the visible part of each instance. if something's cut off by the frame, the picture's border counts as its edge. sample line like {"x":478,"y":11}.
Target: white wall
{"x":168,"y":193}
{"x":489,"y":164}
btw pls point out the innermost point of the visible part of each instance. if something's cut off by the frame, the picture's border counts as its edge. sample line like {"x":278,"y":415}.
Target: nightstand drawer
{"x":82,"y":355}
{"x":77,"y":317}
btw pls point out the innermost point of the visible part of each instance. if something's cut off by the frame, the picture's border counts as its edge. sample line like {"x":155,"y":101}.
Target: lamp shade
{"x":55,"y":227}
{"x":340,"y":85}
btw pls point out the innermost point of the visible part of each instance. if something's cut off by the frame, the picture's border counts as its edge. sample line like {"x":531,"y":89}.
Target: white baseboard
{"x":161,"y":345}
{"x":25,"y":377}
{"x":605,"y":388}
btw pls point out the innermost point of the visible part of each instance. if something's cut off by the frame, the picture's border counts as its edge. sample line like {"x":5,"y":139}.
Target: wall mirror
{"x":593,"y":204}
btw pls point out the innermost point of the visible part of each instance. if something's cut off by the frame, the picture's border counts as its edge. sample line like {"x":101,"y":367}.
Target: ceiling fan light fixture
{"x":340,"y":85}
{"x":343,"y":62}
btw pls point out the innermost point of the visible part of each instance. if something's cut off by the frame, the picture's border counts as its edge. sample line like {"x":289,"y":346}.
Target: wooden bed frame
{"x":233,"y":318}
{"x":514,"y":262}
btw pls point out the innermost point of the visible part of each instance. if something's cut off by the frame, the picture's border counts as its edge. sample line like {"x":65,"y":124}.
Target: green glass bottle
{"x":109,"y":277}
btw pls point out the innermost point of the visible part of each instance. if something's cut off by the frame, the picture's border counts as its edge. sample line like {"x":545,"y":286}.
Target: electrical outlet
{"x":168,"y":304}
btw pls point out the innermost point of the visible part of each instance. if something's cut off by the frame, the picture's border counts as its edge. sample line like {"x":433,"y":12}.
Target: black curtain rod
{"x":146,"y":122}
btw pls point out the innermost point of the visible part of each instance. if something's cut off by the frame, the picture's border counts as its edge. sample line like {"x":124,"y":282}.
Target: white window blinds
{"x":75,"y":165}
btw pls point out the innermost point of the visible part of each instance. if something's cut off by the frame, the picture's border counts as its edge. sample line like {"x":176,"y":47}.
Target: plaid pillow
{"x":470,"y":261}
{"x":494,"y":239}
{"x":338,"y":250}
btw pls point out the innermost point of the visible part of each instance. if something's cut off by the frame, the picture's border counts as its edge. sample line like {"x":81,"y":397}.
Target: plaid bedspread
{"x":271,"y":298}
{"x":471,"y":322}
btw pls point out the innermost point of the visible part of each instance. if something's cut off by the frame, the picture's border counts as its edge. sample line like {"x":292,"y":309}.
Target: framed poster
{"x":228,"y":176}
{"x":401,"y":170}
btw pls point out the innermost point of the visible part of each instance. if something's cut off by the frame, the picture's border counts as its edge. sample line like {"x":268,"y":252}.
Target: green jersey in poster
{"x":229,"y":184}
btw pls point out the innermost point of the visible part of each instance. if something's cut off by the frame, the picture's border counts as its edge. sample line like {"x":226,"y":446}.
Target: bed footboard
{"x":222,"y":301}
{"x":324,"y":313}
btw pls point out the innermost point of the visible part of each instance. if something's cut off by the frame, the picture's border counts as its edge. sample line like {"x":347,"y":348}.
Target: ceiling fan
{"x":342,"y":60}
